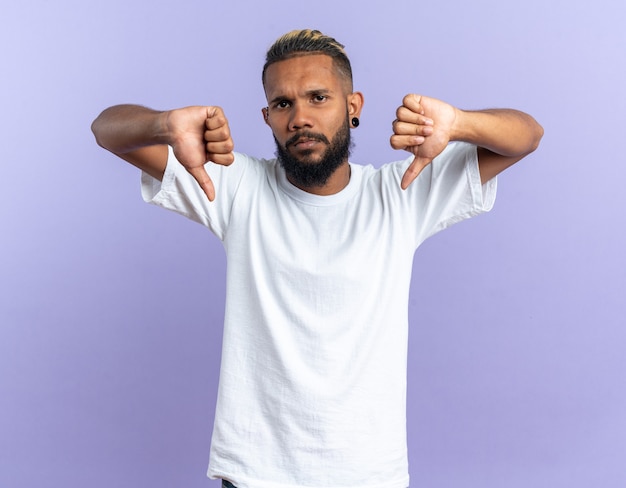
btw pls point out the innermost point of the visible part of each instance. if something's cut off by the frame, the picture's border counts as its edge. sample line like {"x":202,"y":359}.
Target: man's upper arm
{"x":491,"y":164}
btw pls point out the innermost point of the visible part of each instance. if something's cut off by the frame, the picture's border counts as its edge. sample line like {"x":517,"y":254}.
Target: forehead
{"x":305,"y":72}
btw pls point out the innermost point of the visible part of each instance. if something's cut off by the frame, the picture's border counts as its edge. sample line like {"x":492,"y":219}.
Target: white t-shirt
{"x":312,"y":388}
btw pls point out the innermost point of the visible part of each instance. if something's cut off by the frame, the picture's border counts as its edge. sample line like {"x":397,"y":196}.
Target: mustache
{"x":307,"y":135}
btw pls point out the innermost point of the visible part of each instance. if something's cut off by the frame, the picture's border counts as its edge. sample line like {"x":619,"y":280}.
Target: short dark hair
{"x":306,"y":42}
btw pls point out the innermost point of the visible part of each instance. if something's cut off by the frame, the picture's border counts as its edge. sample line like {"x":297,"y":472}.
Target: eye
{"x":282,"y":104}
{"x":317,"y":98}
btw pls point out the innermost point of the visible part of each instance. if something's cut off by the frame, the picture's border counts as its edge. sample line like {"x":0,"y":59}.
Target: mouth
{"x":305,"y":141}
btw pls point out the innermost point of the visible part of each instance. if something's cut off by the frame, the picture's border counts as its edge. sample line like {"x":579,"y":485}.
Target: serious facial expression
{"x":308,"y":109}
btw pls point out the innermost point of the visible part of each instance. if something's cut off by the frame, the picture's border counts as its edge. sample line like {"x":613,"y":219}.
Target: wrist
{"x":162,"y":128}
{"x":460,"y":129}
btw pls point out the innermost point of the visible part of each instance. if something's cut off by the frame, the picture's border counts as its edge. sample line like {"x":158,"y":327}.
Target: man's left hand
{"x":423,"y":126}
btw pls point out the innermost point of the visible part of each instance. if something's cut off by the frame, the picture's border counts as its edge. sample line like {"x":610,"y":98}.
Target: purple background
{"x":111,"y":310}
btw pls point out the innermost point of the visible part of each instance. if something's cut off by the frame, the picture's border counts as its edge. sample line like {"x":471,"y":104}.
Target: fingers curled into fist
{"x":411,"y":126}
{"x":218,"y":141}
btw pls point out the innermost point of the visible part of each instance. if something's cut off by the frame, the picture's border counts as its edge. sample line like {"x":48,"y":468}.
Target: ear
{"x":266,"y":115}
{"x":355,"y":104}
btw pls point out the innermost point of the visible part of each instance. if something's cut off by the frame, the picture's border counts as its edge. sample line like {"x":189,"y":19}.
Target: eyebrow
{"x":314,"y":91}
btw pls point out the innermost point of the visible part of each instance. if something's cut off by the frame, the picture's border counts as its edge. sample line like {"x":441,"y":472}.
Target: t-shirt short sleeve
{"x":180,"y":193}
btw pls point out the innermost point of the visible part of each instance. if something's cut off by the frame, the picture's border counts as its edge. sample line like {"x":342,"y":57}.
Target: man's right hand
{"x":199,"y":135}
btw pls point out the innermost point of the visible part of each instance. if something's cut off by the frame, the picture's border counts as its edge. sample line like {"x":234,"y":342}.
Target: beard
{"x":305,"y":171}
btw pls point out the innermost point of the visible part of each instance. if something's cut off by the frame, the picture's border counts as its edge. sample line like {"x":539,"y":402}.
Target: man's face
{"x":308,"y":111}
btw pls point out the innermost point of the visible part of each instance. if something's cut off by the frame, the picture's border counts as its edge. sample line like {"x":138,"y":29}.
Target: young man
{"x":313,"y":379}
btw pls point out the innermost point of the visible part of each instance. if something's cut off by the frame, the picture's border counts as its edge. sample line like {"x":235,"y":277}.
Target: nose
{"x":300,"y":117}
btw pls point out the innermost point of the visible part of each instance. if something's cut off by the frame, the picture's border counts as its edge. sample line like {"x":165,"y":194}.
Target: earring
{"x":355,"y":122}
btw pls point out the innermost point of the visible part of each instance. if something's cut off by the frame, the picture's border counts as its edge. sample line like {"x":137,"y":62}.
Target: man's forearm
{"x":506,"y":132}
{"x":124,"y":128}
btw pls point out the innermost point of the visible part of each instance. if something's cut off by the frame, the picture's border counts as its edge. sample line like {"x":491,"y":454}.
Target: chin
{"x":307,"y":158}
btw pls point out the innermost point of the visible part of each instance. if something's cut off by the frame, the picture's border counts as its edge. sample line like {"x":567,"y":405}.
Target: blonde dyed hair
{"x":306,"y":42}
